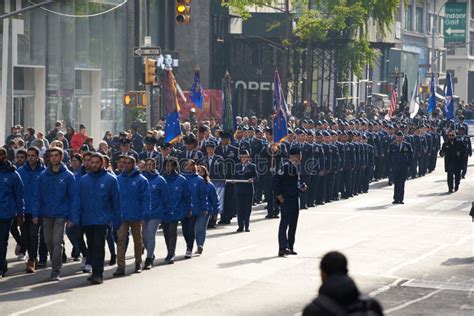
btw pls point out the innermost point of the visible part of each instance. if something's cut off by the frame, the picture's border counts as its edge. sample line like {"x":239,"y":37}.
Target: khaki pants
{"x":136,"y":227}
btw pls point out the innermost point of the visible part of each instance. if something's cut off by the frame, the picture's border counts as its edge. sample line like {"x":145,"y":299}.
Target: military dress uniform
{"x":244,"y":194}
{"x":287,"y":184}
{"x":453,"y":153}
{"x":399,"y":156}
{"x":466,"y":140}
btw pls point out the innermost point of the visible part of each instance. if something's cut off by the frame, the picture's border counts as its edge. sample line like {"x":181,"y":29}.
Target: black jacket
{"x":341,"y":289}
{"x":453,"y":154}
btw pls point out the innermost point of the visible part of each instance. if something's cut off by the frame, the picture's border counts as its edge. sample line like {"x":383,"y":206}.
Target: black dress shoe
{"x":281,"y":253}
{"x":276,"y":216}
{"x":291,"y":252}
{"x":247,"y":230}
{"x":96,"y":280}
{"x":239,"y":230}
{"x":450,"y":191}
{"x":113,"y":260}
{"x":395,"y":202}
{"x":456,"y":189}
{"x":401,"y":202}
{"x":268,"y":216}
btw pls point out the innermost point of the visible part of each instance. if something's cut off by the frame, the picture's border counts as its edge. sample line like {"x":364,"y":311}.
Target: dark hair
{"x":21,"y":152}
{"x":173,"y":161}
{"x":78,"y":157}
{"x":36,"y":150}
{"x":97,"y":155}
{"x":334,"y":263}
{"x":88,"y":153}
{"x":206,"y":173}
{"x":3,"y":150}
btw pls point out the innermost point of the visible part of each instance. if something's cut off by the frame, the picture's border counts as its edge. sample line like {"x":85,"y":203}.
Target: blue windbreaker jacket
{"x":30,"y":180}
{"x":198,"y":188}
{"x":160,"y":196}
{"x":180,"y":198}
{"x":134,"y":196}
{"x":11,"y":192}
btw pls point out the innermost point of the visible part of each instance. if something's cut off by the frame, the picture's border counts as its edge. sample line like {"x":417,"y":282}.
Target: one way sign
{"x":147,"y":51}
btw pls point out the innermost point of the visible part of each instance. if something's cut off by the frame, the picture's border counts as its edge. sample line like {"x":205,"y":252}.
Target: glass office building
{"x":56,"y":64}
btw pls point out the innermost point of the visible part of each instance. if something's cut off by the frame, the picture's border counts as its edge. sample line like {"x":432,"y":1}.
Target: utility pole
{"x":308,"y":67}
{"x":286,"y":52}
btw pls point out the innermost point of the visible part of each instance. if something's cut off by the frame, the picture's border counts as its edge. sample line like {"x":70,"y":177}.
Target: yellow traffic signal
{"x":150,"y":71}
{"x":135,"y":99}
{"x":183,"y":11}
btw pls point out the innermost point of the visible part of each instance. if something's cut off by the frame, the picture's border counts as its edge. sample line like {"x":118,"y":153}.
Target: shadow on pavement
{"x":373,"y":208}
{"x":435,"y":194}
{"x":458,"y":261}
{"x":245,"y":261}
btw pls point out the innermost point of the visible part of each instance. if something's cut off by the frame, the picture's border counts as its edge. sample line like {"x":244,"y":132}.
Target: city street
{"x":415,"y":259}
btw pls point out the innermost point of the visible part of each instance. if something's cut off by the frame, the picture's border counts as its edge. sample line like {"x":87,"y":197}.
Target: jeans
{"x":54,"y":238}
{"x":136,"y":227}
{"x":76,"y":237}
{"x":111,"y":241}
{"x":5,"y":225}
{"x":96,"y":244}
{"x":188,"y":224}
{"x":149,"y":234}
{"x":170,"y":232}
{"x":30,"y":234}
{"x":200,"y":229}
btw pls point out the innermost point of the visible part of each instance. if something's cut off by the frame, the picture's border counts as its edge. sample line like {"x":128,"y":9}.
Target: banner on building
{"x":211,"y":106}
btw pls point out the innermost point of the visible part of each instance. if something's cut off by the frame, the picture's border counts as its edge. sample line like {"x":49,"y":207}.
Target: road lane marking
{"x":34,"y":308}
{"x":236,"y":250}
{"x":406,"y":304}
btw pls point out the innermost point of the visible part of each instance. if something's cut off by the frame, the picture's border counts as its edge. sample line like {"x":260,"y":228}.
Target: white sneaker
{"x":189,"y":254}
{"x":83,"y":263}
{"x":87,"y":268}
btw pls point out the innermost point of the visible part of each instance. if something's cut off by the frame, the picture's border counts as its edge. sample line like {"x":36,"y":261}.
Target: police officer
{"x":400,"y":155}
{"x":287,"y":188}
{"x":453,"y":152}
{"x":245,"y":170}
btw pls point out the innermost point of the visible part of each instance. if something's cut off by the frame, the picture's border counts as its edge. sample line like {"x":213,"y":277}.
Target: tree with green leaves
{"x":340,"y":25}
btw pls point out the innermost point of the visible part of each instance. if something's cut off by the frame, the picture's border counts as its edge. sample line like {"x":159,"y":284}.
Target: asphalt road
{"x":417,"y":259}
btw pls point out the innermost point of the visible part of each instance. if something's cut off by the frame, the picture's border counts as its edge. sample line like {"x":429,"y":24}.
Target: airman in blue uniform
{"x":400,"y":155}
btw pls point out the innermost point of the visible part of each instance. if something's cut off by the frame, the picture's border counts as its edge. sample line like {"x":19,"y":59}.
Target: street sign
{"x":147,"y":51}
{"x":454,"y":24}
{"x":397,"y":75}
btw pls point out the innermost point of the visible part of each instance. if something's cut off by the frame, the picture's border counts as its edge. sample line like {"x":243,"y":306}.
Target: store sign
{"x":250,"y":77}
{"x":455,"y":24}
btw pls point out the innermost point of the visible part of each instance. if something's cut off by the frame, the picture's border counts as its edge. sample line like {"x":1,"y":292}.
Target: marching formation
{"x":131,"y":186}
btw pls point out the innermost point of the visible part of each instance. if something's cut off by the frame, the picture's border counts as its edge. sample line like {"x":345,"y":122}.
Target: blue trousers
{"x":244,"y":208}
{"x":200,"y":229}
{"x":288,"y":223}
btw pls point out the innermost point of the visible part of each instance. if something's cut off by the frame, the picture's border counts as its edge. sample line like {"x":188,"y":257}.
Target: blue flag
{"x":196,"y":93}
{"x":280,"y":128}
{"x":172,"y":126}
{"x":220,"y":190}
{"x":432,"y":100}
{"x":228,"y":119}
{"x":448,"y":108}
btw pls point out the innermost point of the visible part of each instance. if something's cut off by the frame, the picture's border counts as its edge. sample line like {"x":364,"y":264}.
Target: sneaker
{"x":148,"y":264}
{"x":30,"y":266}
{"x":199,"y":250}
{"x":113,"y":260}
{"x":189,"y":254}
{"x":21,"y":257}
{"x":87,"y":268}
{"x":55,"y":276}
{"x":169,"y":259}
{"x":138,"y":268}
{"x":119,"y":273}
{"x":83,"y":263}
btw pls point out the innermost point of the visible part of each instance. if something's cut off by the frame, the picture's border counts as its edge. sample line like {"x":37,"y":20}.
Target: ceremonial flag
{"x":196,"y":92}
{"x":280,"y":127}
{"x":432,"y":99}
{"x":448,"y":98}
{"x":415,"y":101}
{"x":404,"y":98}
{"x":172,"y":127}
{"x":228,"y":120}
{"x":394,"y":100}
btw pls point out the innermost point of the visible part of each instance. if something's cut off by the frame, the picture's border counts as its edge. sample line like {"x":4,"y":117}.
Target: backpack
{"x":364,"y":306}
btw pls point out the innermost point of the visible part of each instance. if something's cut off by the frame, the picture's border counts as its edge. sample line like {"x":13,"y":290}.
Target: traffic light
{"x":135,"y":99}
{"x":150,"y":71}
{"x":183,"y":11}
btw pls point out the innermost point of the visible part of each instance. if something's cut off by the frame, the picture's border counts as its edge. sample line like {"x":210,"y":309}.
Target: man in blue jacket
{"x":160,"y":199}
{"x":11,"y":204}
{"x":30,"y":174}
{"x":97,"y":208}
{"x":54,"y":201}
{"x":135,"y":206}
